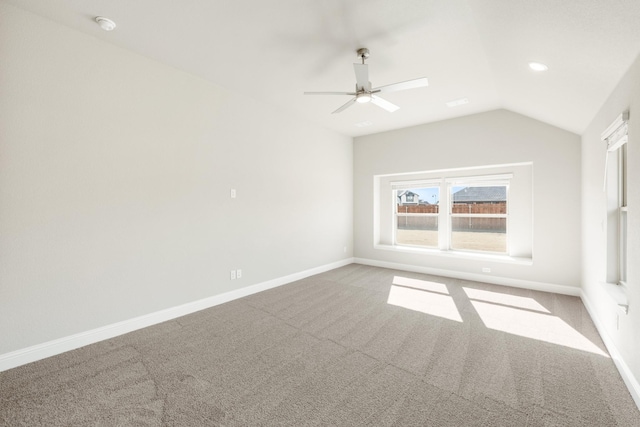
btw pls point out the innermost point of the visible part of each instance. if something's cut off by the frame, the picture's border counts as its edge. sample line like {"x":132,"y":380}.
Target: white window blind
{"x":616,"y":135}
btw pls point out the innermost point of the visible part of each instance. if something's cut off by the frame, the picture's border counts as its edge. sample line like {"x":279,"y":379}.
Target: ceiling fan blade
{"x":409,"y":84}
{"x":330,"y":93}
{"x":362,"y":76}
{"x":345,"y":106}
{"x":384,"y":104}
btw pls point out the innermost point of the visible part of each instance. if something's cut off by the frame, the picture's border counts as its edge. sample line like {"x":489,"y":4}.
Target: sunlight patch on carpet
{"x":527,"y":319}
{"x":505,"y":299}
{"x":423,"y":296}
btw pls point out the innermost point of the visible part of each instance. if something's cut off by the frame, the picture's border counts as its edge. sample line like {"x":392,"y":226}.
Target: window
{"x":479,"y":217}
{"x":416,"y":216}
{"x":615,"y":187}
{"x":472,"y":216}
{"x":466,"y":212}
{"x":622,"y":214}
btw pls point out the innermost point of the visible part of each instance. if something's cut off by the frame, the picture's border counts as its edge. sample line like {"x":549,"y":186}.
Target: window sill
{"x":618,"y":294}
{"x":455,"y":254}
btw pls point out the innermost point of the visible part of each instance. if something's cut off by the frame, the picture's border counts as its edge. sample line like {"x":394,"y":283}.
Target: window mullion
{"x":444,"y":235}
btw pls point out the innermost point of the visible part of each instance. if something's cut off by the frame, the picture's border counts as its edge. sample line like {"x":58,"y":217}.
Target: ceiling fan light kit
{"x":364,"y":93}
{"x":363,"y":97}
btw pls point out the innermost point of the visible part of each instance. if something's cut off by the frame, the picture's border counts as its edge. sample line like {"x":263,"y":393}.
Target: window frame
{"x":500,"y":182}
{"x":409,"y":185}
{"x":445,"y":206}
{"x":615,"y":188}
{"x":622,"y":215}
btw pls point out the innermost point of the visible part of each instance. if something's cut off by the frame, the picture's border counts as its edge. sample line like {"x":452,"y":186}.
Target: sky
{"x":432,"y":194}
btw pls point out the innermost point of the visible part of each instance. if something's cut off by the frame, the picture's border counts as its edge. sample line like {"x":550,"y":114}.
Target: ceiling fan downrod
{"x":363,"y":53}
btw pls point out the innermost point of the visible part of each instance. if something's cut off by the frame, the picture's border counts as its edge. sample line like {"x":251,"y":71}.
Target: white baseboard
{"x":516,"y":283}
{"x":626,"y":374}
{"x":61,"y":345}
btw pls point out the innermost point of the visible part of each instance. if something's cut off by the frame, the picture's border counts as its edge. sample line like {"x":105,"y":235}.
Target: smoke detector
{"x":105,"y":23}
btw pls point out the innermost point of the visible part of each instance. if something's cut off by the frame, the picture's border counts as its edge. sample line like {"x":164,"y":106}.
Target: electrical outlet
{"x":486,"y":270}
{"x":233,"y":275}
{"x":238,"y":273}
{"x":233,"y":193}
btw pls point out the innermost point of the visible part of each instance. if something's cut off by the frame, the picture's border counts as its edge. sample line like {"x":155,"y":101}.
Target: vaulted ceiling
{"x":273,"y":51}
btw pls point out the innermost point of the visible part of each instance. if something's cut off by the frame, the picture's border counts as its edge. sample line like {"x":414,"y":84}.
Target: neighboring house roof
{"x":480,"y":194}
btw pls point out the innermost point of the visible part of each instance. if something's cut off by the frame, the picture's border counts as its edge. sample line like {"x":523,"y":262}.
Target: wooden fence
{"x":494,"y":225}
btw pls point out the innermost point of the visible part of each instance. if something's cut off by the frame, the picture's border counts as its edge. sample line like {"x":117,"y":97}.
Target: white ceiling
{"x":273,"y":51}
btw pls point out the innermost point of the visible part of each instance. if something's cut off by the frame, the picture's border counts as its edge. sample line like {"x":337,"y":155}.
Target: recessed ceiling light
{"x":538,"y":66}
{"x":105,"y":23}
{"x":457,"y":102}
{"x":364,"y":124}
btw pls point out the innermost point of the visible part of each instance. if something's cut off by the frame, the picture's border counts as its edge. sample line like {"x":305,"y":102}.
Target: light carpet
{"x":354,"y":346}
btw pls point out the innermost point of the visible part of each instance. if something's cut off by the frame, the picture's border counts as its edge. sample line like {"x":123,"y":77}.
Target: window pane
{"x":416,"y":213}
{"x":622,"y":175}
{"x":420,"y":230}
{"x":479,"y":234}
{"x":479,"y":200}
{"x":623,"y":246}
{"x":418,"y":200}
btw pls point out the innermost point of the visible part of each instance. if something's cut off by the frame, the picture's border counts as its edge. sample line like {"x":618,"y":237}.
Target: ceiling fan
{"x":365,"y":93}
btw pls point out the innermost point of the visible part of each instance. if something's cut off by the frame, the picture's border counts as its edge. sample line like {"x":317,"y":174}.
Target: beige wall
{"x":115,"y":174}
{"x":623,"y":330}
{"x":493,"y":138}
